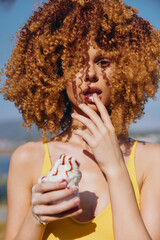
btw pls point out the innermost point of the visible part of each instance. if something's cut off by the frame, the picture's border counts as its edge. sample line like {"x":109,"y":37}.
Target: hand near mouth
{"x":89,"y":91}
{"x":101,"y":136}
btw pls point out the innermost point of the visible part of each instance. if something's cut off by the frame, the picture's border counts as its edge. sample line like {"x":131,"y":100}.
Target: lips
{"x":91,"y":90}
{"x":88,"y":93}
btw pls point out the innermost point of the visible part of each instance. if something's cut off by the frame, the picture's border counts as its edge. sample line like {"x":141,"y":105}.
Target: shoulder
{"x":28,"y":156}
{"x":148,"y":155}
{"x":149,"y":151}
{"x":27,"y":152}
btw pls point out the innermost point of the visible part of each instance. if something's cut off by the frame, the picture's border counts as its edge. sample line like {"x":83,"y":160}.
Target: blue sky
{"x":13,"y":18}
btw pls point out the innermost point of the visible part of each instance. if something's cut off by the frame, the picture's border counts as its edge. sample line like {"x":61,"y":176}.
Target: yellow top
{"x":98,"y":228}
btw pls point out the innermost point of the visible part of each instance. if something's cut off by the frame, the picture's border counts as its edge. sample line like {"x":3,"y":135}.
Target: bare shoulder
{"x":28,"y":156}
{"x":148,"y":155}
{"x":149,"y":150}
{"x":30,"y":149}
{"x":26,"y":153}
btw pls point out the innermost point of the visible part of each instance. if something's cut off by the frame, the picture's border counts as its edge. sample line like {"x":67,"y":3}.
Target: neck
{"x":69,"y":136}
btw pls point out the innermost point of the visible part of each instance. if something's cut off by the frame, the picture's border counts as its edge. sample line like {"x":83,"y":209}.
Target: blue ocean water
{"x":4,"y":164}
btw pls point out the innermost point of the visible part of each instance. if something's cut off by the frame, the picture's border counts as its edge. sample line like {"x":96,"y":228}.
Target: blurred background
{"x":13,"y":14}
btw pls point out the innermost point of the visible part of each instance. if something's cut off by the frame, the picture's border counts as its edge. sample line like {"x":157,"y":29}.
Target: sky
{"x":11,"y":19}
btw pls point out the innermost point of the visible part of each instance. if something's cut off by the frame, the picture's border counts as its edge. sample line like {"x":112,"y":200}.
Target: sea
{"x":12,"y":135}
{"x":4,"y":165}
{"x":5,"y":157}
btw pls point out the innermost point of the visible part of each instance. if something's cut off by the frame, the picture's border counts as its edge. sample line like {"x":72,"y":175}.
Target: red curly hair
{"x":51,"y":42}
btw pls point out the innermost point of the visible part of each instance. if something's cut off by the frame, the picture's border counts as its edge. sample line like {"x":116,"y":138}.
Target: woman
{"x":83,"y":70}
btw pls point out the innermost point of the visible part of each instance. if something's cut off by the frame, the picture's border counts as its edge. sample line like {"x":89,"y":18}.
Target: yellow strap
{"x":132,"y":172}
{"x":47,"y":164}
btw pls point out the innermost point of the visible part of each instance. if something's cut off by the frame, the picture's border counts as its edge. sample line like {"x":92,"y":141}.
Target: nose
{"x":91,"y":74}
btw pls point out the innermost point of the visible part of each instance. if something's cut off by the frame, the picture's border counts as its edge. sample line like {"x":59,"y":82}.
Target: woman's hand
{"x":101,"y":136}
{"x":49,"y":204}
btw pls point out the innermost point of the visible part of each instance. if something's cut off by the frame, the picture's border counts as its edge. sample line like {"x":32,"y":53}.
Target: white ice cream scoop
{"x":66,"y":168}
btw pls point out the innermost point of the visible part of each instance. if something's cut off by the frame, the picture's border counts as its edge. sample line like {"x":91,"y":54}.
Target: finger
{"x":49,"y":210}
{"x":53,"y":196}
{"x":86,"y":136}
{"x":103,"y":112}
{"x":68,"y":213}
{"x":87,"y":122}
{"x":48,"y":186}
{"x":73,"y":212}
{"x":92,"y":115}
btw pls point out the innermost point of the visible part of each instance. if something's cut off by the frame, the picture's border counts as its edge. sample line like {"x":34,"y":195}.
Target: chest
{"x":93,"y":187}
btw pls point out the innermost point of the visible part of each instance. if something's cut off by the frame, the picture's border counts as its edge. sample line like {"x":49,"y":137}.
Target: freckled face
{"x":92,"y":78}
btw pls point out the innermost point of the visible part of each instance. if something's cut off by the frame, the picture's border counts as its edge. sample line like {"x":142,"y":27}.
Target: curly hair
{"x":51,"y":43}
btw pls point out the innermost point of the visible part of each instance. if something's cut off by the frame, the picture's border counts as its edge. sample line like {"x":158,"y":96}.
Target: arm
{"x":150,"y":193}
{"x":19,"y":189}
{"x":126,"y":216}
{"x":21,"y":223}
{"x":127,"y":221}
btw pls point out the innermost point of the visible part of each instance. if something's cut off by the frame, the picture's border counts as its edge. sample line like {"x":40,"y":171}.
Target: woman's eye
{"x":104,"y":63}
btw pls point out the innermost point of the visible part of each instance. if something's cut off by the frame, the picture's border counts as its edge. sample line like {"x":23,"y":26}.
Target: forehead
{"x":93,"y":50}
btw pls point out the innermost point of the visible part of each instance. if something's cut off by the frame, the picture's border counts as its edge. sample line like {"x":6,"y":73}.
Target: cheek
{"x":74,"y":89}
{"x":71,"y":90}
{"x":105,"y":75}
{"x":108,"y":73}
{"x":106,"y":96}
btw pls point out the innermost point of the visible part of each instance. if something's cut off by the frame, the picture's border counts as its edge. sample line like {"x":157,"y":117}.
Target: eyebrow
{"x":99,"y":56}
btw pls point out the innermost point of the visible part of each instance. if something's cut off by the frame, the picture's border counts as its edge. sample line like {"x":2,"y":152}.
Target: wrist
{"x":35,"y":219}
{"x":115,"y":171}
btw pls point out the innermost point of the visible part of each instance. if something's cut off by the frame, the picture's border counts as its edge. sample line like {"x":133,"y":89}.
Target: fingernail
{"x":80,"y":210}
{"x":78,"y":102}
{"x":95,"y":95}
{"x":73,"y":115}
{"x":73,"y":188}
{"x":76,"y":200}
{"x":63,"y":182}
{"x":75,"y":132}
